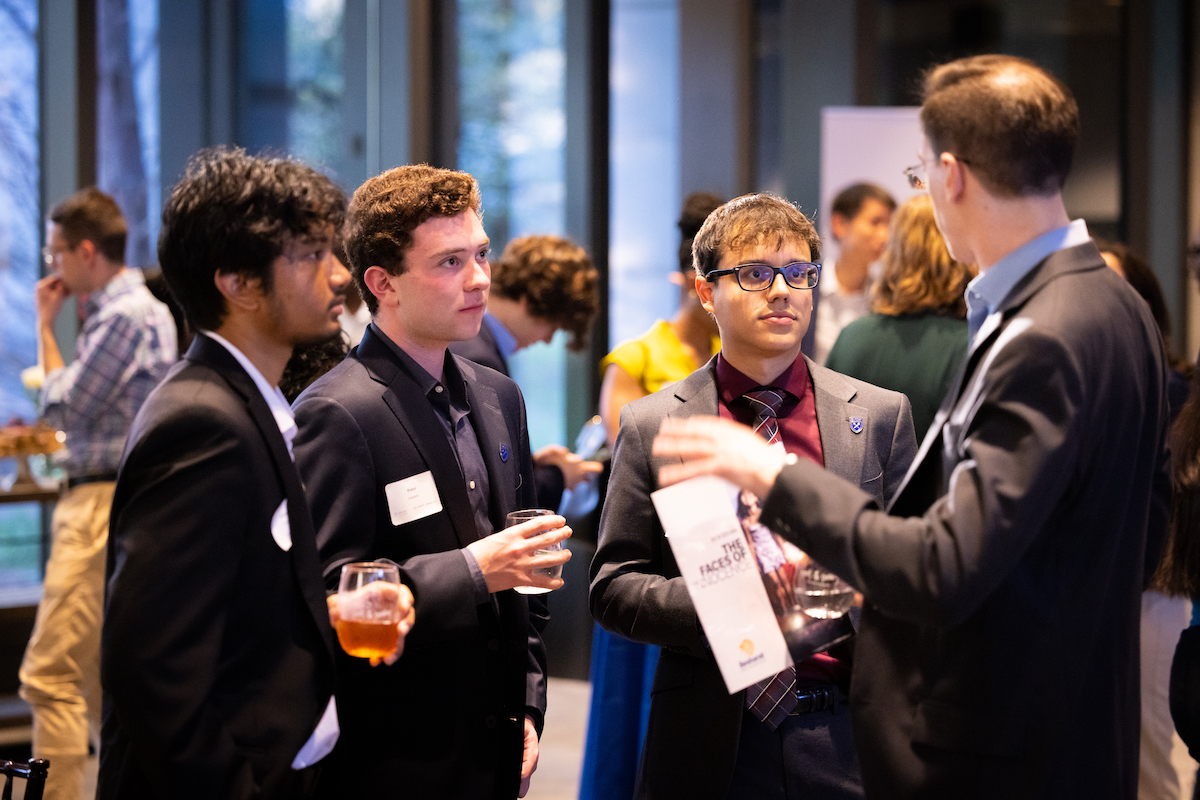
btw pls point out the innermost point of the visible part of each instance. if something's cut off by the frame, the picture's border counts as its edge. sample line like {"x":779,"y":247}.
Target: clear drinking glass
{"x":524,"y":515}
{"x":370,"y":619}
{"x":822,"y":594}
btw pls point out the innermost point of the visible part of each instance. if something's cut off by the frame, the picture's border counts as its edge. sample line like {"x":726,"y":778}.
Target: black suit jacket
{"x":483,"y":349}
{"x":637,"y":591}
{"x":447,"y":719}
{"x":998,"y":653}
{"x":217,"y":654}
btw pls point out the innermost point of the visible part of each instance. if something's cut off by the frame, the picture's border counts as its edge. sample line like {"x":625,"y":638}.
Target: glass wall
{"x":511,"y":78}
{"x":20,"y":239}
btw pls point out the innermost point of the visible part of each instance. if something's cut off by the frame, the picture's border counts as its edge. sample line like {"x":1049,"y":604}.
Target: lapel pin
{"x":856,"y":424}
{"x":504,"y":452}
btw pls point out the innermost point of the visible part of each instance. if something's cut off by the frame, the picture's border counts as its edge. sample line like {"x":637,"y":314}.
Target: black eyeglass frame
{"x":775,"y":271}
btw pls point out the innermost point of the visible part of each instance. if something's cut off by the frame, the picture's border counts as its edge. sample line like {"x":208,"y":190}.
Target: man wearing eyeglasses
{"x":754,"y":273}
{"x":998,"y":653}
{"x":126,"y":345}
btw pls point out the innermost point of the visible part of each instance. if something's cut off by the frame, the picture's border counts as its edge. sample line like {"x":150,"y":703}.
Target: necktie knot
{"x":765,"y":402}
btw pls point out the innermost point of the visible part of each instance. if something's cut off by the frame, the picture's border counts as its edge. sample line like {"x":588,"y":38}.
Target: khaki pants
{"x":60,"y":674}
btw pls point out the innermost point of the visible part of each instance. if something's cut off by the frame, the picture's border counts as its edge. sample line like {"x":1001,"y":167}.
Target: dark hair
{"x":386,"y":210}
{"x":749,"y":220}
{"x":1178,"y":572}
{"x":158,"y":287}
{"x":696,"y":208}
{"x":919,"y":274}
{"x":849,"y":201}
{"x":1011,"y":122}
{"x":311,"y":361}
{"x":91,"y":214}
{"x":1141,"y":277}
{"x":557,"y":280}
{"x":233,"y":213}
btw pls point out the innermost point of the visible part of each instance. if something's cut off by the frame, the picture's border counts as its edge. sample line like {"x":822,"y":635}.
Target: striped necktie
{"x":772,"y":699}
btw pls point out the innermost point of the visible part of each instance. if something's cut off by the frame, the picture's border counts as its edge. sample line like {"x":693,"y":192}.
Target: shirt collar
{"x":733,"y":383}
{"x":280,"y":409}
{"x":988,"y":289}
{"x":124,"y":282}
{"x":504,"y":340}
{"x":453,"y":379}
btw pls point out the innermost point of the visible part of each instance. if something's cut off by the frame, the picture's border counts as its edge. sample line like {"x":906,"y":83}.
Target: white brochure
{"x":726,"y":587}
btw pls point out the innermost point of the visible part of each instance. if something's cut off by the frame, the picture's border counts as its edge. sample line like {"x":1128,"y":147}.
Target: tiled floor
{"x":557,"y":776}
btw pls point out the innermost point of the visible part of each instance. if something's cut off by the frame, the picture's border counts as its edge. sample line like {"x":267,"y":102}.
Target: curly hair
{"x":918,"y":272}
{"x":234,"y":213}
{"x":557,"y":280}
{"x":748,"y":220}
{"x":386,"y":210}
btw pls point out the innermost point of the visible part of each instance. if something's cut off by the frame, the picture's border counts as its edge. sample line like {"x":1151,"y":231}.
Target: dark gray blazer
{"x":216,"y":654}
{"x":447,"y":720}
{"x":636,"y":591}
{"x":998,"y":652}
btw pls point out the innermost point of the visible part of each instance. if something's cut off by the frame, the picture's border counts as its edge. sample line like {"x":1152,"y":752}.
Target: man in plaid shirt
{"x":125,"y":347}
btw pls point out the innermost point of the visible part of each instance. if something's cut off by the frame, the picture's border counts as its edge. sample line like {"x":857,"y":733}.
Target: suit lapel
{"x":303,"y":553}
{"x":491,"y":431}
{"x":414,"y":413}
{"x":841,"y":447}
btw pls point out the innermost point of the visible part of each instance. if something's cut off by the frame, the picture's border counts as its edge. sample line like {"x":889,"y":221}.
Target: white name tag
{"x":722,"y":579}
{"x":281,"y":527}
{"x":412,"y":498}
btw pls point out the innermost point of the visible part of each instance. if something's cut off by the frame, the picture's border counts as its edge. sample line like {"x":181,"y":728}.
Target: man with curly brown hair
{"x":413,"y":454}
{"x":540,"y":285}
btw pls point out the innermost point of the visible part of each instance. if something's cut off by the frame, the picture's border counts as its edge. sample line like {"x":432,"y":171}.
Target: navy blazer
{"x":217,"y":653}
{"x":998,"y":652}
{"x":447,"y":720}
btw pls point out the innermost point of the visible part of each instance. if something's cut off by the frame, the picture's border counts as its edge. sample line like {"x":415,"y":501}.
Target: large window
{"x":20,"y":235}
{"x":512,"y":138}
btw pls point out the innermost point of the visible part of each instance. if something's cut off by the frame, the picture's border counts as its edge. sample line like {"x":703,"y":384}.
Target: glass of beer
{"x":524,"y":515}
{"x":370,"y":619}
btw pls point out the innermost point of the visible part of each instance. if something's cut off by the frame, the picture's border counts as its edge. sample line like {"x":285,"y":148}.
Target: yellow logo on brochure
{"x":747,"y":647}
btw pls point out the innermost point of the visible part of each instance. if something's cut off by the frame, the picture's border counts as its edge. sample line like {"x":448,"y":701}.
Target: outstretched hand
{"x":720,"y":447}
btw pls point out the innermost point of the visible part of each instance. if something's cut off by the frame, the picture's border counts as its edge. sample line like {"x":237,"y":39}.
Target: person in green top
{"x":916,"y":336}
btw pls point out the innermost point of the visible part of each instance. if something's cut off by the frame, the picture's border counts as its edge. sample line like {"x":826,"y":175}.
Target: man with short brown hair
{"x":998,"y":653}
{"x":126,"y":345}
{"x":413,"y":454}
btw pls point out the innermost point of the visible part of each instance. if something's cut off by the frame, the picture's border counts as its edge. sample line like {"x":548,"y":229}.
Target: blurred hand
{"x":529,"y":756}
{"x":404,"y":607}
{"x":574,"y":469}
{"x":509,"y":557}
{"x":48,"y":296}
{"x":720,"y":447}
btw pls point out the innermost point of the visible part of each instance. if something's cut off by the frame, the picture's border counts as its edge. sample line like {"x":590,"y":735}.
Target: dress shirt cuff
{"x":482,"y":595}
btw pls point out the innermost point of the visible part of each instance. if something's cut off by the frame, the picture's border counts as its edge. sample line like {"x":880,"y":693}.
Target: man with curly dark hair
{"x":540,"y":285}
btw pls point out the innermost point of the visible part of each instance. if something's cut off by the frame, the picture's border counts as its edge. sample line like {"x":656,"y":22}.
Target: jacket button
{"x":490,"y":720}
{"x":493,"y":645}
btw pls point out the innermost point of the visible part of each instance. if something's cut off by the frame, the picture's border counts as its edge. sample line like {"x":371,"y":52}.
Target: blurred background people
{"x":1165,"y":770}
{"x":672,"y":349}
{"x":858,"y":220}
{"x":621,"y":670}
{"x":127,"y":343}
{"x":540,"y":285}
{"x":916,"y":336}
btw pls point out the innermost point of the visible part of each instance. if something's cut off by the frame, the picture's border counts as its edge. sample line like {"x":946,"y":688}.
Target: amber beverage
{"x":367,"y":639}
{"x":368,"y":616}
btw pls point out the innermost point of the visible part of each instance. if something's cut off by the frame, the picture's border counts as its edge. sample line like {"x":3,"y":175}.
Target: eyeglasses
{"x":759,"y":277}
{"x":48,"y":256}
{"x":917,"y":173}
{"x":916,"y":176}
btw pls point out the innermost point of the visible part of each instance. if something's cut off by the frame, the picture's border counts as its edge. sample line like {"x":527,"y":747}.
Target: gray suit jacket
{"x":636,"y":591}
{"x":998,"y":652}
